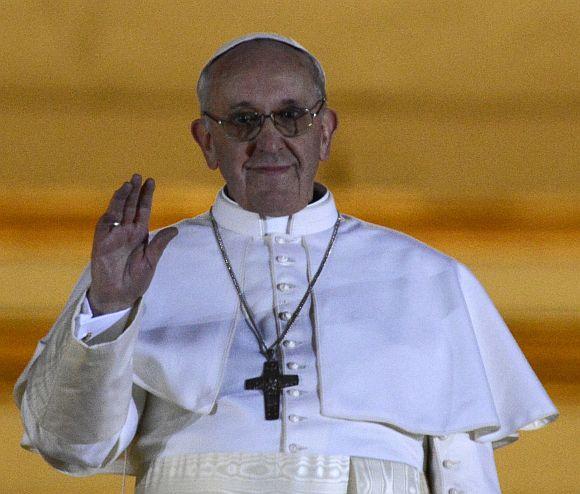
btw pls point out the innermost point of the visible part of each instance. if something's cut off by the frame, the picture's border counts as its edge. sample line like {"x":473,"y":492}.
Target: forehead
{"x":262,"y":73}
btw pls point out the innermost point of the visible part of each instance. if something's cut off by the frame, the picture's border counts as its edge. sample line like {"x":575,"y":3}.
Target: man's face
{"x":272,"y":174}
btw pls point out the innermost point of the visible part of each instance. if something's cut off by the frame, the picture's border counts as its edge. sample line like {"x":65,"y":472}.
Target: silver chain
{"x":268,"y":352}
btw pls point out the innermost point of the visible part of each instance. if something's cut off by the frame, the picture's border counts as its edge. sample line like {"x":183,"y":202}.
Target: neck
{"x":315,"y":217}
{"x":318,"y":193}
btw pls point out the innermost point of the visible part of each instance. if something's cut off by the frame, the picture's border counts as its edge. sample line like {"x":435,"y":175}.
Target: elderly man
{"x":273,"y":344}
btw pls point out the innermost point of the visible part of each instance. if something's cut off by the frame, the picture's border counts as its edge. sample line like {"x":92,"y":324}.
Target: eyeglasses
{"x":245,"y":125}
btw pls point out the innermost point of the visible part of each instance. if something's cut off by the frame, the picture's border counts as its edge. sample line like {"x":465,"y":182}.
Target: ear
{"x":329,"y":123}
{"x":204,"y":139}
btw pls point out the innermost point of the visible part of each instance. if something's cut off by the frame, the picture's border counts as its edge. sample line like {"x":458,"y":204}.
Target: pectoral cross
{"x":271,"y":382}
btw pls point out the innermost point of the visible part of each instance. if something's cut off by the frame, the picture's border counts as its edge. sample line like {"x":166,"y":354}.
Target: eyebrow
{"x":247,"y":104}
{"x":241,"y":104}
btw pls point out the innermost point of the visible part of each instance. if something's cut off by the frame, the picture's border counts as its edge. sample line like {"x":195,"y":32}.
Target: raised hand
{"x":123,"y":260}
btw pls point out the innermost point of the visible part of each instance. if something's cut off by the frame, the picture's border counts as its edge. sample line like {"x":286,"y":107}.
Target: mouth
{"x":271,"y":170}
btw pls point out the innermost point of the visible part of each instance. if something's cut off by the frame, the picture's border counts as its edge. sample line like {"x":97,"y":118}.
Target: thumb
{"x":158,"y":243}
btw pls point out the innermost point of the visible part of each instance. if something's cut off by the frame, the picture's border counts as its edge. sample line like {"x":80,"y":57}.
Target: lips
{"x":270,"y":170}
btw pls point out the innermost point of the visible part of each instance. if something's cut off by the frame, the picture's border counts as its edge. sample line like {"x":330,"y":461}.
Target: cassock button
{"x":453,"y":490}
{"x":285,"y":315}
{"x":289,"y":343}
{"x":285,"y":240}
{"x":295,"y":447}
{"x":87,"y":337}
{"x":284,"y":287}
{"x":293,"y":392}
{"x":295,"y":418}
{"x":450,"y":464}
{"x":284,"y":260}
{"x":292,"y":365}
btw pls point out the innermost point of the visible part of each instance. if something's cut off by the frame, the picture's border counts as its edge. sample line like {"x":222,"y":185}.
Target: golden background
{"x":459,"y":125}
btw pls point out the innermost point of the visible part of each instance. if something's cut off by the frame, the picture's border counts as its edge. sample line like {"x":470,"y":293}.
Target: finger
{"x":131,"y":203}
{"x":116,"y":205}
{"x":117,"y":202}
{"x":157,"y":245}
{"x":145,"y":202}
{"x":107,"y":222}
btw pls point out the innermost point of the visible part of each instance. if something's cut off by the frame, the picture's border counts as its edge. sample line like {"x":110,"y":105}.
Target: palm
{"x":123,"y":259}
{"x":121,"y":240}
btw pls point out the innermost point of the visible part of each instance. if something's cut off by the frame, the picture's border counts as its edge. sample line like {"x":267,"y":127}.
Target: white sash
{"x":278,"y":473}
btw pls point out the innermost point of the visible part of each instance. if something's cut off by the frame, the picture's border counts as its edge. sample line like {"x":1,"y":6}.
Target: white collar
{"x":316,"y":217}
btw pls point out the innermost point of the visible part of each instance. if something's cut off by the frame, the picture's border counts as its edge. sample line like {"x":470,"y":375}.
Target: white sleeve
{"x":459,"y":465}
{"x":77,"y":458}
{"x":88,"y":327}
{"x":79,"y":405}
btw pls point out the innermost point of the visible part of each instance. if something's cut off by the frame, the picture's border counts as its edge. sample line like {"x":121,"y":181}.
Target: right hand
{"x":123,"y":260}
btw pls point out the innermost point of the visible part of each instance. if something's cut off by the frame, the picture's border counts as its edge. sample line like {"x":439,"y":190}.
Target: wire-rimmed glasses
{"x":245,"y":125}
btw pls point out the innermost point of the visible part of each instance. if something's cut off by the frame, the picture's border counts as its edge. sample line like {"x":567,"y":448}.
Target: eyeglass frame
{"x":263,"y":117}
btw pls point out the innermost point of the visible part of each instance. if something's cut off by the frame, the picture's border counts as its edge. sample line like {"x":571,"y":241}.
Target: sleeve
{"x":78,"y":403}
{"x":459,"y":465}
{"x":519,"y":399}
{"x":107,"y":326}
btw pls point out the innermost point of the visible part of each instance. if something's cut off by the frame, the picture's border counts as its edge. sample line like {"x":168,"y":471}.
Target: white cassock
{"x":404,"y":364}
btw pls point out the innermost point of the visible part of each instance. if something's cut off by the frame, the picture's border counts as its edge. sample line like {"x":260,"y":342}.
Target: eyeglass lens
{"x":245,"y":126}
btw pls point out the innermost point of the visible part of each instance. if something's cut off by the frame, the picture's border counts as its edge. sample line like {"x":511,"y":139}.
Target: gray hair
{"x":205,"y":78}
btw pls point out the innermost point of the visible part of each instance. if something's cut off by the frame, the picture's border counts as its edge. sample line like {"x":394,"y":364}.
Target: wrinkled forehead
{"x":262,"y":68}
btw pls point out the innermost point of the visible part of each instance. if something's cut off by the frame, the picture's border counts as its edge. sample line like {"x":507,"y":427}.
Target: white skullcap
{"x":273,"y":36}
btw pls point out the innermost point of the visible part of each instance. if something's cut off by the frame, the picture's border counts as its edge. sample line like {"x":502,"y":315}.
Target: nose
{"x":269,"y":139}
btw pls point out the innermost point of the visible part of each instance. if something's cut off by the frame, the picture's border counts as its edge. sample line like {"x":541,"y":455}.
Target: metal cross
{"x":271,"y":382}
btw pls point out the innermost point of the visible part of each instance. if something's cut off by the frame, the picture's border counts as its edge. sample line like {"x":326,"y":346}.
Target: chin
{"x":276,"y":198}
{"x":276,"y":208}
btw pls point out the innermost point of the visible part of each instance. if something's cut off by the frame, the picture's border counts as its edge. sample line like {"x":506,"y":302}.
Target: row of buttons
{"x":450,"y":465}
{"x":285,"y":316}
{"x":293,"y":448}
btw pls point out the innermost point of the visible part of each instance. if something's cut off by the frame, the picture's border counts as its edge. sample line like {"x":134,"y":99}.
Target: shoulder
{"x":383,"y":243}
{"x":189,"y":230}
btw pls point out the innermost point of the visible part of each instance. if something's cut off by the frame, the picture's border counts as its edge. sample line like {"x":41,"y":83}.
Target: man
{"x":273,"y":345}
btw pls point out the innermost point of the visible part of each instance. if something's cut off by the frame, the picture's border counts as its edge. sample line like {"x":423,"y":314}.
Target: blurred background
{"x":459,"y":125}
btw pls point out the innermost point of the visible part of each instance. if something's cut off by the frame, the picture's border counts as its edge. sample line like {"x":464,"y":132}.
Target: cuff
{"x":87,"y":327}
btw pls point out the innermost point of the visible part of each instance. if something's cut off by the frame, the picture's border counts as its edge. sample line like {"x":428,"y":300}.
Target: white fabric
{"x":457,"y":462}
{"x":88,"y":326}
{"x":237,"y":423}
{"x":278,"y":473}
{"x":408,"y":341}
